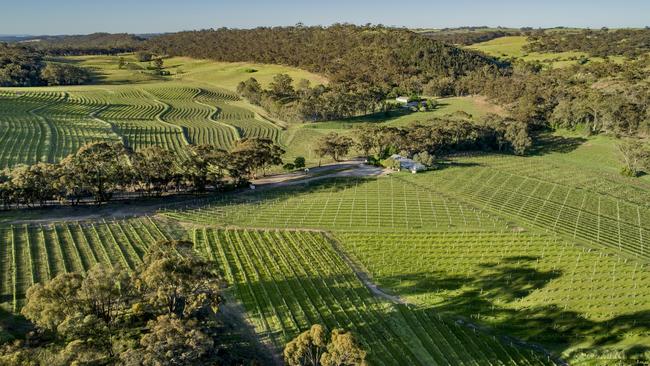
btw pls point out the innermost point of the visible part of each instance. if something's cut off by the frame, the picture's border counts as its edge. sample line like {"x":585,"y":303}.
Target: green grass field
{"x":222,"y":74}
{"x":512,"y":47}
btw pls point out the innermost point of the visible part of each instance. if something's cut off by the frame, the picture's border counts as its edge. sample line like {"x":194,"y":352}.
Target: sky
{"x":39,"y":17}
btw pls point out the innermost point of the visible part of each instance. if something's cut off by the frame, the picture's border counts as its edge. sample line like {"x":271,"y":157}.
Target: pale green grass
{"x":512,"y":47}
{"x":222,"y":74}
{"x":229,"y":74}
{"x":113,"y":84}
{"x":107,"y":71}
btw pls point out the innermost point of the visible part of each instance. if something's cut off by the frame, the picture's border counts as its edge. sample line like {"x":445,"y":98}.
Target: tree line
{"x":470,"y":35}
{"x":603,"y":42}
{"x":601,"y":97}
{"x":24,"y":66}
{"x":99,"y":171}
{"x":89,"y":44}
{"x":305,"y":103}
{"x":434,"y":138}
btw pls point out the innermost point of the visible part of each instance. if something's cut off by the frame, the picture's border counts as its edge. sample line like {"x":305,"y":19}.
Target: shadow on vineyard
{"x":457,"y":164}
{"x":485,"y":298}
{"x":547,"y":144}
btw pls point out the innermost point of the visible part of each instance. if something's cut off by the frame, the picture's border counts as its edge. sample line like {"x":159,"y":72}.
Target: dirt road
{"x":141,"y":206}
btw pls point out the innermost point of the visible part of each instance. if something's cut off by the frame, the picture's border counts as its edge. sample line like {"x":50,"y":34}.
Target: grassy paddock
{"x":512,"y":47}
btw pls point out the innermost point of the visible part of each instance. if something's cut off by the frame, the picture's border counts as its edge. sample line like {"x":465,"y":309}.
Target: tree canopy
{"x":315,"y":347}
{"x":23,"y":66}
{"x":166,"y":312}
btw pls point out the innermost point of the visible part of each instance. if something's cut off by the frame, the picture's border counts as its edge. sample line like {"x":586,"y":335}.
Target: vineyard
{"x":464,"y":241}
{"x":30,"y":254}
{"x":46,"y":126}
{"x":577,"y":212}
{"x":288,"y":280}
{"x":515,"y":282}
{"x":384,"y":204}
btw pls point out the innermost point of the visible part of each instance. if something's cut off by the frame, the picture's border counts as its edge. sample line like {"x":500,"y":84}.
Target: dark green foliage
{"x":468,"y":37}
{"x":143,"y":56}
{"x":603,"y":97}
{"x":22,"y":66}
{"x":603,"y":43}
{"x":319,"y":103}
{"x":251,"y":90}
{"x":299,"y":162}
{"x":442,"y":136}
{"x":100,"y":170}
{"x":62,"y":74}
{"x":164,"y":313}
{"x":90,"y":44}
{"x":334,"y":145}
{"x":350,"y":55}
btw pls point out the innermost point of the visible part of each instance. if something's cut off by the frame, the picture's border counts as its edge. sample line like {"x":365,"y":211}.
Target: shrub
{"x":629,"y":172}
{"x":299,"y":162}
{"x":424,"y":158}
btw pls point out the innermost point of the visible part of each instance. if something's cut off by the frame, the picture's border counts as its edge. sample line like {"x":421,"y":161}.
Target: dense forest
{"x":602,"y":97}
{"x":469,"y":37}
{"x":603,"y":42}
{"x":24,"y":66}
{"x":95,"y":44}
{"x":388,"y":59}
{"x":368,"y":65}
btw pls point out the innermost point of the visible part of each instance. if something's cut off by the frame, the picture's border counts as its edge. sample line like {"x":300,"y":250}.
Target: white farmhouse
{"x":408,"y":164}
{"x":402,"y":100}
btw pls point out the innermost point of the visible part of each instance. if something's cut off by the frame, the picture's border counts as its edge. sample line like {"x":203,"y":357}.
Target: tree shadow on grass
{"x":547,"y":143}
{"x":353,"y":122}
{"x":486,"y":298}
{"x":446,"y":164}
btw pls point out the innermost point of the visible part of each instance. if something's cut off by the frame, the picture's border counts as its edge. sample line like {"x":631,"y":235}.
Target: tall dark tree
{"x":334,"y":145}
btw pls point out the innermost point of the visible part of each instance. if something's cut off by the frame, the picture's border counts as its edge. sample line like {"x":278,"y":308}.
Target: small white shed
{"x":408,"y":164}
